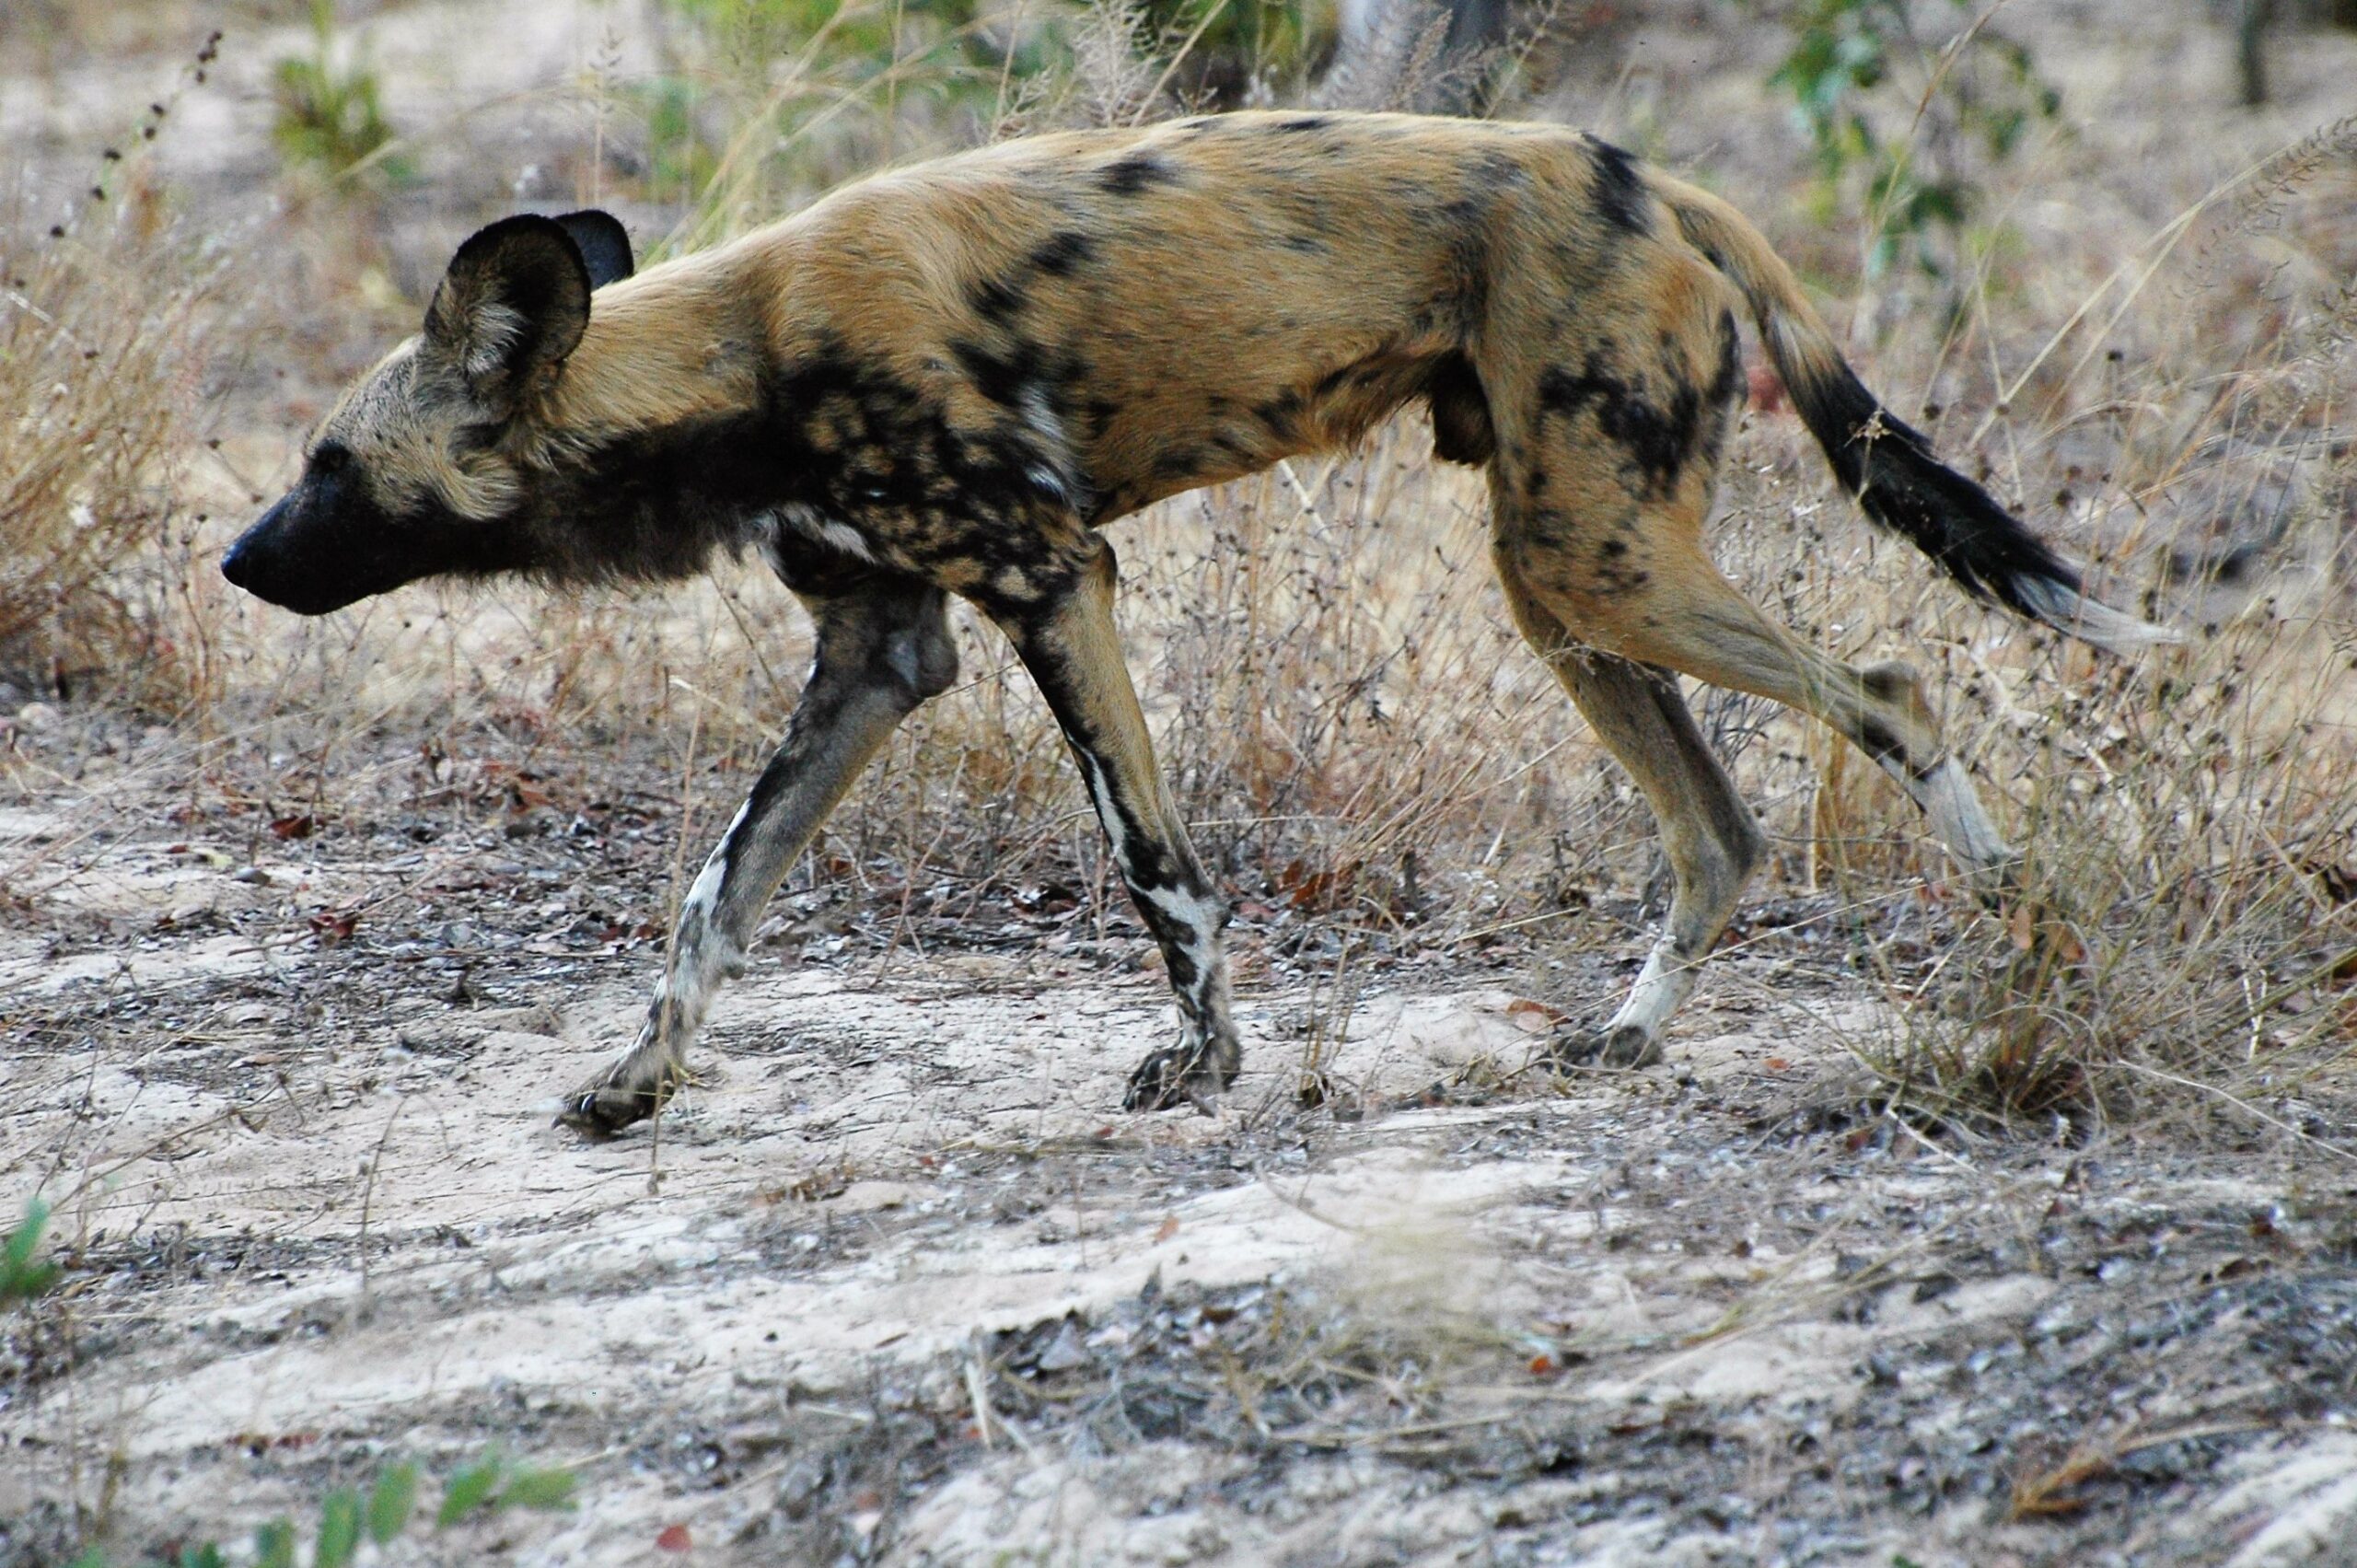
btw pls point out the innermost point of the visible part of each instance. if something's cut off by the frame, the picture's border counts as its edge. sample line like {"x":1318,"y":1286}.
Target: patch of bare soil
{"x":898,"y":1282}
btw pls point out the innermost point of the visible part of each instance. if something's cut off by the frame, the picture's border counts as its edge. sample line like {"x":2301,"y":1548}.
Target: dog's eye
{"x":329,"y":457}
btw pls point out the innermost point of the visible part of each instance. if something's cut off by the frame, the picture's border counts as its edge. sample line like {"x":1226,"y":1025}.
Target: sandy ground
{"x":898,"y":1284}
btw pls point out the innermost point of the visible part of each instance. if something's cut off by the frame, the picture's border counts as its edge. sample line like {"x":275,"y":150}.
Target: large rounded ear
{"x":605,"y":244}
{"x":513,"y":304}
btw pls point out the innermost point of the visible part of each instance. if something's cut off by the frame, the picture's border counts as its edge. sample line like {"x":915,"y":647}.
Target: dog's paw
{"x":1631,"y":1045}
{"x":606,"y":1110}
{"x":1178,"y":1075}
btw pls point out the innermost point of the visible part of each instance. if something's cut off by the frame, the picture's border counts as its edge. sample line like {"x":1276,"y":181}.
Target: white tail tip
{"x":2070,"y":611}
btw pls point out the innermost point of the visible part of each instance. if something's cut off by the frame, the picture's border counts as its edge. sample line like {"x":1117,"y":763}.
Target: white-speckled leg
{"x":882,"y":649}
{"x":1070,"y":648}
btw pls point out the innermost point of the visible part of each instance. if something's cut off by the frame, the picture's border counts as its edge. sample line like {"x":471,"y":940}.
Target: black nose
{"x":236,"y":566}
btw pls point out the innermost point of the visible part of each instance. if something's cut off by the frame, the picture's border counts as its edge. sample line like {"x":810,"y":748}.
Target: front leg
{"x":1067,"y":641}
{"x":883,"y":648}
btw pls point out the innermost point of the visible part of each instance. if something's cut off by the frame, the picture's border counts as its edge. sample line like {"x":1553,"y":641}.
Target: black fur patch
{"x":1887,"y":684}
{"x":1178,"y":462}
{"x":1061,"y":254}
{"x":1659,"y":441}
{"x":1880,"y":743}
{"x":1610,"y":575}
{"x":1888,"y":467}
{"x":1001,"y":375}
{"x":1619,"y":190}
{"x":1282,"y":414}
{"x":1137,"y":172}
{"x":997,"y":301}
{"x":1726,"y":386}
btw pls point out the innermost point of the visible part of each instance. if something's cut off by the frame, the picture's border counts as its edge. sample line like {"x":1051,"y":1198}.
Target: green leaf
{"x":96,"y":1557}
{"x":275,"y":1545}
{"x":339,"y":1529}
{"x":205,"y":1556}
{"x":21,"y":1278}
{"x":469,"y":1490}
{"x":548,"y":1491}
{"x":390,"y":1503}
{"x":27,"y":1235}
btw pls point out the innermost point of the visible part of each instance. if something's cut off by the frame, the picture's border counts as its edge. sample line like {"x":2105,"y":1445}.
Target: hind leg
{"x":1685,"y":616}
{"x":1608,"y":428}
{"x":1881,"y":709}
{"x":1709,"y":835}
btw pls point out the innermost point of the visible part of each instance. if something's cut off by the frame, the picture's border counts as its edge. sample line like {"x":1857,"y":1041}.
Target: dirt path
{"x":896,"y":1282}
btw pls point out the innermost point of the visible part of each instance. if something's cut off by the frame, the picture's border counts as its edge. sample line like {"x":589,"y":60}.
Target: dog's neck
{"x":673,"y":348}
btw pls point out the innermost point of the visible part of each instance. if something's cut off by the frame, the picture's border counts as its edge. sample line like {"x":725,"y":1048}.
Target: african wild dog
{"x":945,"y":379}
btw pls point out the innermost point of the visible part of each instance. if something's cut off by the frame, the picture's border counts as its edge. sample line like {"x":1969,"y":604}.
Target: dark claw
{"x":1627,"y":1046}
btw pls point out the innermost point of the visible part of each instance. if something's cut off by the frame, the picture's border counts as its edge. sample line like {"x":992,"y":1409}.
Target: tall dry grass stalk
{"x":104,"y":320}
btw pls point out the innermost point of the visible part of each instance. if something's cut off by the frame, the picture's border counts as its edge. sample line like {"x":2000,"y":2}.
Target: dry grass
{"x":2054,"y":1491}
{"x":2187,"y":822}
{"x":104,"y":318}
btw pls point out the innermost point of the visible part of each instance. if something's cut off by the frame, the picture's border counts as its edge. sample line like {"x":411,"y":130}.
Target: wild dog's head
{"x":414,"y":474}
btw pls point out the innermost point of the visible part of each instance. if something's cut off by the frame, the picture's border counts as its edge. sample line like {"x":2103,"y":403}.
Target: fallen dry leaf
{"x":1534,"y":1018}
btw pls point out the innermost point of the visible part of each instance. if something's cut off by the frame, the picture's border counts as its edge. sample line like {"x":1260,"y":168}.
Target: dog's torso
{"x":945,"y":368}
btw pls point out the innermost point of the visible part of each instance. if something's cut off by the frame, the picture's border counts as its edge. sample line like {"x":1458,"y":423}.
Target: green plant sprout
{"x":1917,"y":195}
{"x":330,"y":116}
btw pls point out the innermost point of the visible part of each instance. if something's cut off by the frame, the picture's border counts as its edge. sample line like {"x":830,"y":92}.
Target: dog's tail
{"x":1883,"y":461}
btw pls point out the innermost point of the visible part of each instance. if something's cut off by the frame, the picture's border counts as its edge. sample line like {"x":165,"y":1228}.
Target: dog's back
{"x":1192,"y":301}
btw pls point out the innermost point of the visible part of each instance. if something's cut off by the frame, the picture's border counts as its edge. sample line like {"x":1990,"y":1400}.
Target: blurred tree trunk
{"x":2250,"y":55}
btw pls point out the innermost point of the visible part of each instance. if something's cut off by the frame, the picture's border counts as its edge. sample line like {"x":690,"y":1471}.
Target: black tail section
{"x":1888,"y":466}
{"x":1885,"y":463}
